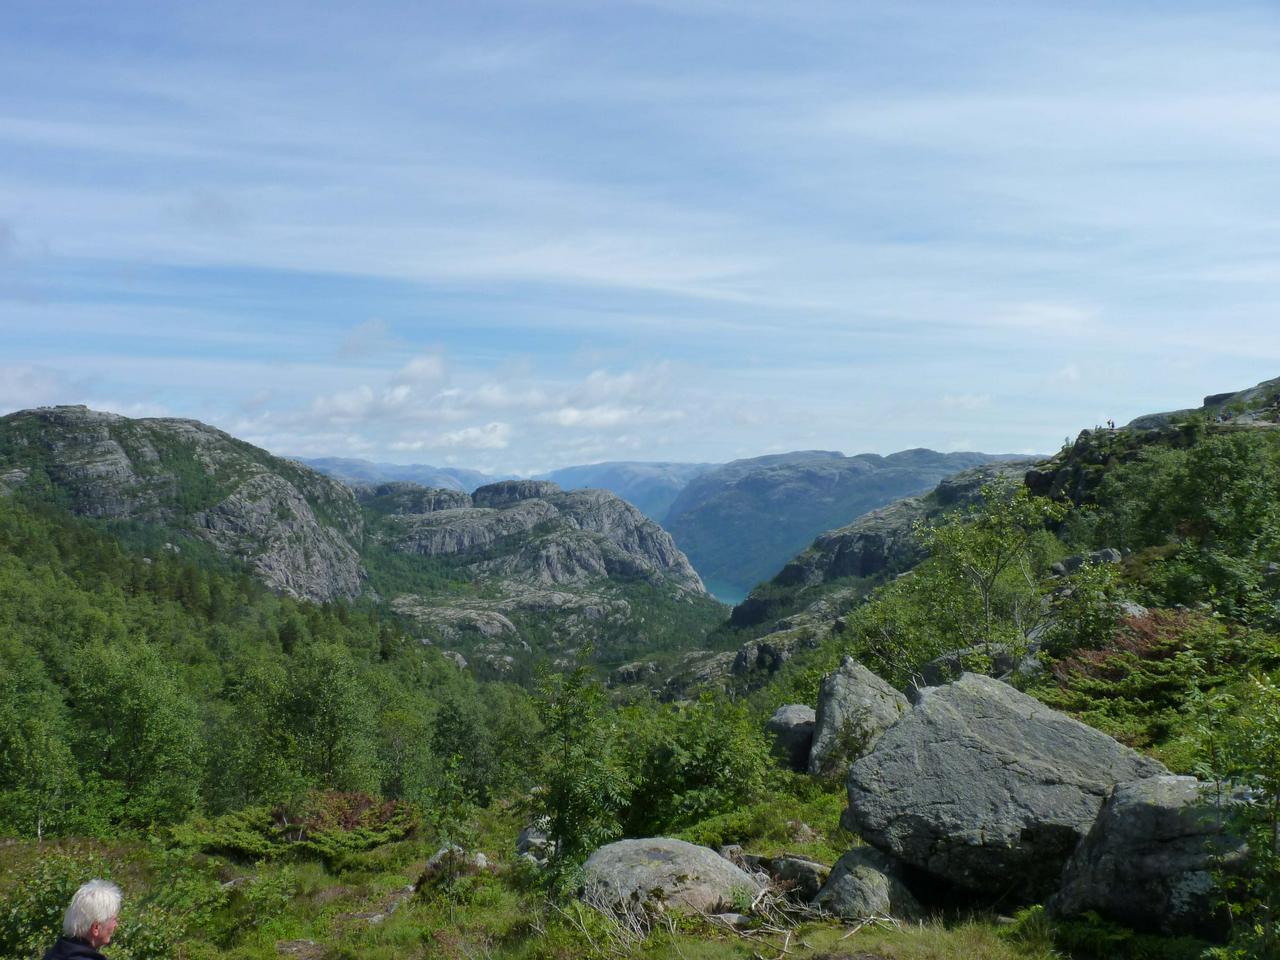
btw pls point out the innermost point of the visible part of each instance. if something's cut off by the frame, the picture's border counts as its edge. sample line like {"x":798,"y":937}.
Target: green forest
{"x":265,"y":775}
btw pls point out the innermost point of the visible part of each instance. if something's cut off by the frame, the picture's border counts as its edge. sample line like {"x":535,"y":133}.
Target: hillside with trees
{"x":269,"y":775}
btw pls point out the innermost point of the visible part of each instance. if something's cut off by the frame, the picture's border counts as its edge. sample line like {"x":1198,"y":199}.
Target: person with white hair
{"x":89,"y":922}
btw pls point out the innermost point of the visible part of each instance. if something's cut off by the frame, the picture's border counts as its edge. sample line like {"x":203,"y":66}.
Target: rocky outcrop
{"x":464,"y":529}
{"x":531,"y":531}
{"x":630,"y":876}
{"x":1149,"y":860}
{"x":855,"y":707}
{"x":409,"y":498}
{"x":792,"y":729}
{"x":865,"y":883}
{"x":507,"y":493}
{"x":297,"y":529}
{"x":986,"y":788}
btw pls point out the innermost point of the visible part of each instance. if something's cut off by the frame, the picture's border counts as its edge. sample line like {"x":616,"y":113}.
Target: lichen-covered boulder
{"x":792,"y":728}
{"x":864,"y":883}
{"x":986,"y":788}
{"x":1149,"y":860}
{"x":854,"y":708}
{"x":659,"y":872}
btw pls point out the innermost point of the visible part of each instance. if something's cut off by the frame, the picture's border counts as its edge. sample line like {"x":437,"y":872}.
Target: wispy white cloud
{"x":694,"y":245}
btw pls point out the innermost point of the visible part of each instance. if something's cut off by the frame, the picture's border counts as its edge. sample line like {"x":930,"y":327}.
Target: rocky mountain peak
{"x":505,"y":493}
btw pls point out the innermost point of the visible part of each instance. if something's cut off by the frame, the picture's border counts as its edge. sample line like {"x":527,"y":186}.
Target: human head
{"x":92,"y":913}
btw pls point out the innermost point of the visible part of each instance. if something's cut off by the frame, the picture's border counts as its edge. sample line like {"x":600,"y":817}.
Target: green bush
{"x":37,"y":898}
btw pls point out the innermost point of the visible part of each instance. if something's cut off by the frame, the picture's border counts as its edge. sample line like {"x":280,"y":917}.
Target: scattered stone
{"x":1149,"y":860}
{"x":855,"y":707}
{"x":534,"y":844}
{"x":302,"y":949}
{"x":735,"y":921}
{"x":792,"y":729}
{"x":1128,"y":608}
{"x":984,"y":787}
{"x":801,"y":832}
{"x":864,"y":883}
{"x":659,"y":872}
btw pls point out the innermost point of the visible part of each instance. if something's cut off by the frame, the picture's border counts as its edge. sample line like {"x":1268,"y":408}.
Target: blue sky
{"x":521,"y":235}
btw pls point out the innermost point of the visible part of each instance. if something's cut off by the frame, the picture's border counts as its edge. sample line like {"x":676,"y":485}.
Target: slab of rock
{"x":986,"y":788}
{"x":792,"y":729}
{"x":1149,"y":860}
{"x":864,"y":883}
{"x":855,"y":707}
{"x":658,"y":872}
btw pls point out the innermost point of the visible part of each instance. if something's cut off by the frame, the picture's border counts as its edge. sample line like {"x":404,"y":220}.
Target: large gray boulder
{"x":792,"y":728}
{"x":1150,"y":858}
{"x":864,"y":883}
{"x":986,"y":788}
{"x":855,"y":707}
{"x":656,"y":873}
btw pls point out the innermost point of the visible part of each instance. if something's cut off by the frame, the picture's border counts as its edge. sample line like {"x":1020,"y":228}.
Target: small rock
{"x":864,"y":883}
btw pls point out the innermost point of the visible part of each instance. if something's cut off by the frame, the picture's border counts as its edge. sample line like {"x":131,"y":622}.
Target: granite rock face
{"x":1149,"y":860}
{"x":632,"y":875}
{"x":855,"y":708}
{"x":986,"y":788}
{"x":299,"y":530}
{"x":531,"y":531}
{"x":408,"y":498}
{"x":507,"y":493}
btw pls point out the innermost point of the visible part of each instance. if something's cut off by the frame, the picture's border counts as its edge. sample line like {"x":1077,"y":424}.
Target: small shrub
{"x":32,"y":916}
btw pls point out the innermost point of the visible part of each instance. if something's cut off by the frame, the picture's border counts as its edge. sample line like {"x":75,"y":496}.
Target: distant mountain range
{"x":650,"y":487}
{"x":741,"y":522}
{"x":738,"y":522}
{"x":355,"y":472}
